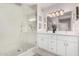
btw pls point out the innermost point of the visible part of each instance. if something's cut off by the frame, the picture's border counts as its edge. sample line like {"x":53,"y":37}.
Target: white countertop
{"x":61,"y":33}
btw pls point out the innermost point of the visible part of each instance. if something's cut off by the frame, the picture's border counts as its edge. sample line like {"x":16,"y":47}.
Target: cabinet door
{"x":40,"y":41}
{"x":61,"y":47}
{"x":45,"y":42}
{"x":52,"y":46}
{"x":71,"y":49}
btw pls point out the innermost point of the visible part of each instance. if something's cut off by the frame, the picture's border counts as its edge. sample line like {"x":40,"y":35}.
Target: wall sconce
{"x":55,"y":13}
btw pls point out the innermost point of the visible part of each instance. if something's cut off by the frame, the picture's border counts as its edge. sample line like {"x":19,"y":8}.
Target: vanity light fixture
{"x":58,"y":12}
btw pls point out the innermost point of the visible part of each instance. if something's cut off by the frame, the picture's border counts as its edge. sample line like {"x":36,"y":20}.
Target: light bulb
{"x":61,"y":12}
{"x":49,"y":15}
{"x":57,"y":14}
{"x":53,"y":14}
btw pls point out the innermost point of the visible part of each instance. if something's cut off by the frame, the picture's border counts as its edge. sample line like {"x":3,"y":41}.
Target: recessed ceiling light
{"x":32,"y":19}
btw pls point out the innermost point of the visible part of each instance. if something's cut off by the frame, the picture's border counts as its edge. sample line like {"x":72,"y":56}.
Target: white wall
{"x":40,"y":12}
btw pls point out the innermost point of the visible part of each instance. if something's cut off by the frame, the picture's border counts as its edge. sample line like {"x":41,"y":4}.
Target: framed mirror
{"x":63,"y":22}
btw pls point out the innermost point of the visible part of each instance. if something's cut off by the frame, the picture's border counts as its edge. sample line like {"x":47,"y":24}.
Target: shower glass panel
{"x":17,"y":27}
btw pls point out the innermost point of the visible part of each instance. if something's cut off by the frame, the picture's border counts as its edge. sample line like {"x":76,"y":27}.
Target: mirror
{"x":50,"y":22}
{"x":63,"y":22}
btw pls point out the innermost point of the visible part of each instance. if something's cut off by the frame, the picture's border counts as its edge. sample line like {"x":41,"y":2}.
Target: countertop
{"x":60,"y":33}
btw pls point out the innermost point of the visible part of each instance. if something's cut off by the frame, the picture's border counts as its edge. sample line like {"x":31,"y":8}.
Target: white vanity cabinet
{"x":67,"y":45}
{"x":59,"y":44}
{"x":42,"y":42}
{"x":47,"y":42}
{"x":66,"y":48}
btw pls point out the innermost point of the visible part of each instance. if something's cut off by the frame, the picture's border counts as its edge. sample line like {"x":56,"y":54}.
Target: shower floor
{"x":36,"y":52}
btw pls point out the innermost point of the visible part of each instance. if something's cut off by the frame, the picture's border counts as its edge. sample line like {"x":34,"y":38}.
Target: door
{"x":61,"y":47}
{"x":71,"y":49}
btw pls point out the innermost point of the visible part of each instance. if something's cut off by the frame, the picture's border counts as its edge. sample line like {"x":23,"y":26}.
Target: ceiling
{"x":46,"y":5}
{"x":54,"y":6}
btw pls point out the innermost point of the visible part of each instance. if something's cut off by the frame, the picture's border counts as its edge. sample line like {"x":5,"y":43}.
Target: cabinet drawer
{"x":52,"y":37}
{"x":39,"y":36}
{"x":61,"y":37}
{"x":68,"y":38}
{"x":72,"y":39}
